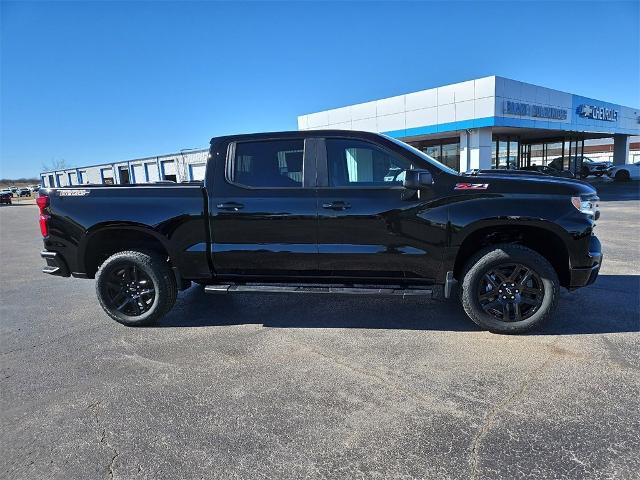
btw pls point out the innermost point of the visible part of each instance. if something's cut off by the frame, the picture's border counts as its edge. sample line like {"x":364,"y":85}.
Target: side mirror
{"x":414,"y":179}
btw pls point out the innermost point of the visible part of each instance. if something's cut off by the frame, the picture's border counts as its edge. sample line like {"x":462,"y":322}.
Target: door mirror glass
{"x":414,"y":179}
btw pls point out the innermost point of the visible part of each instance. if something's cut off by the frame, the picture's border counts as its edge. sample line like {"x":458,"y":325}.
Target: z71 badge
{"x":73,"y":193}
{"x":471,"y":186}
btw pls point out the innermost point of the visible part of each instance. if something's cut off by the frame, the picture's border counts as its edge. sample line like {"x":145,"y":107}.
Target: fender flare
{"x":499,"y":221}
{"x":129,"y":226}
{"x":459,"y":237}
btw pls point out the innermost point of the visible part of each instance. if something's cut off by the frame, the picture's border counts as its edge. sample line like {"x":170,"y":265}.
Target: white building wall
{"x":459,"y":102}
{"x":143,"y":170}
{"x":480,"y":149}
{"x":474,"y":103}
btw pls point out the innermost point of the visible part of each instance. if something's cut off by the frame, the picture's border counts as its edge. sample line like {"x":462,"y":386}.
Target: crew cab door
{"x":369,"y":225}
{"x":262,"y":207}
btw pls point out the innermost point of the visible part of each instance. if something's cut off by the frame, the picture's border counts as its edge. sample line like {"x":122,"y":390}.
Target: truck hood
{"x":528,"y":184}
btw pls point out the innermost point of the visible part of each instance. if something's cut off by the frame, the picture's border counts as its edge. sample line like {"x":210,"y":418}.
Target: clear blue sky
{"x":91,"y":82}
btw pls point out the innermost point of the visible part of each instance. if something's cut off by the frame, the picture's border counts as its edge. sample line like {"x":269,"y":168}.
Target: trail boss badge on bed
{"x":471,"y":186}
{"x":73,"y":193}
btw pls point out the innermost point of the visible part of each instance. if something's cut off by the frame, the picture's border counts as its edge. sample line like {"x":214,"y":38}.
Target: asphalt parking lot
{"x":284,"y":386}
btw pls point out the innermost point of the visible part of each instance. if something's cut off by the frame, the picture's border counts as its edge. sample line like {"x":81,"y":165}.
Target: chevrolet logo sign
{"x":598,"y":113}
{"x":586,"y":111}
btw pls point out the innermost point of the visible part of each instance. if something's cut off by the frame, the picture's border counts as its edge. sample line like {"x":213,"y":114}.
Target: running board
{"x":391,"y":290}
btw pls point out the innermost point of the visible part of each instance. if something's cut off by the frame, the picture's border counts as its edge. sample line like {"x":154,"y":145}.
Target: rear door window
{"x":268,"y":164}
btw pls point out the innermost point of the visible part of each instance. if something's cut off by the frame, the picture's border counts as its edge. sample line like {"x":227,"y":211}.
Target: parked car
{"x":5,"y":197}
{"x":23,"y":192}
{"x":624,"y":173}
{"x":589,"y":166}
{"x":318,"y":212}
{"x":594,"y":167}
{"x":547,"y":170}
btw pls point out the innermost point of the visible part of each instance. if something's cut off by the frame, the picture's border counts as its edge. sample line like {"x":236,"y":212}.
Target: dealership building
{"x":490,"y":122}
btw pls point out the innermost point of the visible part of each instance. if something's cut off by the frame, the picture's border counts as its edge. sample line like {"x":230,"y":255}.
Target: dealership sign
{"x":598,"y":113}
{"x":529,"y":110}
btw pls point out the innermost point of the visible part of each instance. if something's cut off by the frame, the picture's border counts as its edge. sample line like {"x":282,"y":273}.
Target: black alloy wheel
{"x":136,"y":288}
{"x":129,"y":290}
{"x":511,"y":292}
{"x":509,"y":288}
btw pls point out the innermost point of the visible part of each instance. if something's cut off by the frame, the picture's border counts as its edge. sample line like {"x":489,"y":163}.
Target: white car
{"x":623,"y":173}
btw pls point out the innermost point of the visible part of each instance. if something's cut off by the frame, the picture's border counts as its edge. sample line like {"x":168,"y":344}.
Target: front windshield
{"x":424,"y":156}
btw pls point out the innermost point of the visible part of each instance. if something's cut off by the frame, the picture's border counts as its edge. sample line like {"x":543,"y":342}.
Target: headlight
{"x":587,"y":206}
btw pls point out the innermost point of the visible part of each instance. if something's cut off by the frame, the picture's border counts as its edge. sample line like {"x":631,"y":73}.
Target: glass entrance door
{"x":505,"y":153}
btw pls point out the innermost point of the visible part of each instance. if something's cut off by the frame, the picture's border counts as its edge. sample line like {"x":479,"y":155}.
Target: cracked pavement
{"x":286,"y":386}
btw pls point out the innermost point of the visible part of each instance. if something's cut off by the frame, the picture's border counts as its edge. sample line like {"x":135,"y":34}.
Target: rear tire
{"x":530,"y":294}
{"x":622,"y":176}
{"x":136,"y":288}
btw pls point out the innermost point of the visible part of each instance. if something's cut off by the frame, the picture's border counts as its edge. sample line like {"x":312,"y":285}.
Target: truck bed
{"x":175,"y":214}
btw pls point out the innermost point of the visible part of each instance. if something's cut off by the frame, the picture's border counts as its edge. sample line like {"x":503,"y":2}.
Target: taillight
{"x":43,"y":202}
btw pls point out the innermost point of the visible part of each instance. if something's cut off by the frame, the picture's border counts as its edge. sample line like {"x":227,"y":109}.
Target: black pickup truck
{"x":328,"y":212}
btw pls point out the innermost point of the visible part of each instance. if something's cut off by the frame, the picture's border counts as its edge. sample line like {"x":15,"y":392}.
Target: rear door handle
{"x":339,"y":205}
{"x":232,"y":206}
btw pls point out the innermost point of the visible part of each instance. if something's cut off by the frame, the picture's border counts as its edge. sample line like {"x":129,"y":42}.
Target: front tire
{"x":622,"y":176}
{"x":509,"y":288}
{"x":136,"y":288}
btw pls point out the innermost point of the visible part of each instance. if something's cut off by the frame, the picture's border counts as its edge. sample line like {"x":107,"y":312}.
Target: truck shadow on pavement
{"x":611,"y":305}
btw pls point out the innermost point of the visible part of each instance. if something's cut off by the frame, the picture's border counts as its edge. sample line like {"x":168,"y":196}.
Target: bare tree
{"x":56,"y":164}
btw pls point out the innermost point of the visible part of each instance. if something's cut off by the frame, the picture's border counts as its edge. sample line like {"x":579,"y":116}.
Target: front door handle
{"x":339,"y":205}
{"x":232,"y":206}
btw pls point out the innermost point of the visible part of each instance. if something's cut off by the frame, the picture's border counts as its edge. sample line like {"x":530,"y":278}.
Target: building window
{"x":107,"y":176}
{"x":168,"y":168}
{"x":445,"y":150}
{"x":197,"y":171}
{"x":124,"y":174}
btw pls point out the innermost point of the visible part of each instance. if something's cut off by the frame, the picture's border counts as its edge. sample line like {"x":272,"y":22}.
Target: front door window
{"x":357,"y":163}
